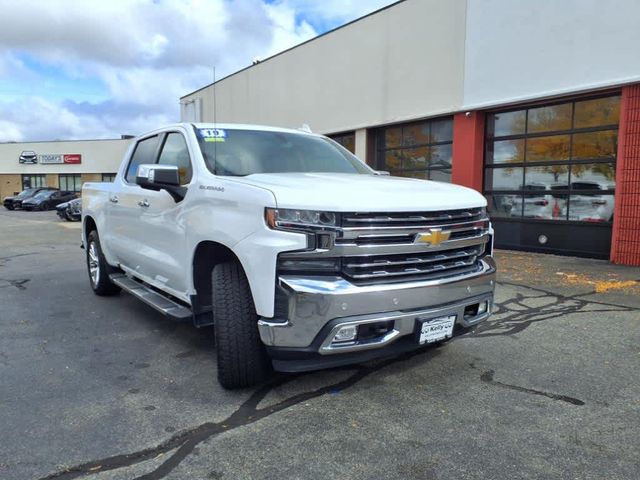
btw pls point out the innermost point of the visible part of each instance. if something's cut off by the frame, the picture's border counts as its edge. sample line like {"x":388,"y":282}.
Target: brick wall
{"x":625,"y":242}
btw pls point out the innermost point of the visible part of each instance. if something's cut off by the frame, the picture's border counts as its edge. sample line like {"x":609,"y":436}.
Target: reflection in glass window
{"x":507,"y":151}
{"x":508,"y":178}
{"x":595,"y":144}
{"x":547,"y":176}
{"x":440,"y":175}
{"x":508,"y":123}
{"x":547,"y":119}
{"x":586,"y":207}
{"x":417,"y":149}
{"x":441,"y":155}
{"x":548,"y":149}
{"x":347,"y":140}
{"x":441,"y":131}
{"x":602,"y":175}
{"x":175,"y":153}
{"x":569,"y":175}
{"x":502,"y":206}
{"x":596,"y":112}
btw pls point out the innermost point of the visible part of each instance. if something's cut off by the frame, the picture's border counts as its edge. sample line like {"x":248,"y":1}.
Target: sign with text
{"x":72,"y":158}
{"x":50,"y":159}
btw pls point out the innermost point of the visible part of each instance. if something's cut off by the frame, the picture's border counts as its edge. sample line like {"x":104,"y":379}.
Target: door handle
{"x":113,"y":199}
{"x":144,"y":203}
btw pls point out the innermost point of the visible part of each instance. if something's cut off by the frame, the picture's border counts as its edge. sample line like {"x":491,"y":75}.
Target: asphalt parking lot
{"x":106,"y":388}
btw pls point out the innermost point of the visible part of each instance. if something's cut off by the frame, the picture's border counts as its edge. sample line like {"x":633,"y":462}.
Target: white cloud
{"x":141,"y":55}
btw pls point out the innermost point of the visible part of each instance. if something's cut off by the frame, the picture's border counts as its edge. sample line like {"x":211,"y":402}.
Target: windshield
{"x":243,"y":152}
{"x":26,"y":193}
{"x":42,"y":194}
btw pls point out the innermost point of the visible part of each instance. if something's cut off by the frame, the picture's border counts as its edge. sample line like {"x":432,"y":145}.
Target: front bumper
{"x":312,"y":309}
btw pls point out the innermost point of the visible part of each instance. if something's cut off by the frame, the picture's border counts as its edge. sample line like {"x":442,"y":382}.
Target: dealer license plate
{"x":437,"y":329}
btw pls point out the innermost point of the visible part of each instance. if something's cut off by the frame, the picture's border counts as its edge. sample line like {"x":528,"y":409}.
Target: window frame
{"x":566,"y":193}
{"x":108,"y":175}
{"x":163,"y":139}
{"x":133,"y":152}
{"x":31,"y":176}
{"x":381,"y":147}
{"x":66,"y":177}
{"x":339,"y":138}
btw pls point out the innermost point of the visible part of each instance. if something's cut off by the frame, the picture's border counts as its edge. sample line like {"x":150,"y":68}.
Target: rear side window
{"x":144,"y":153}
{"x":175,"y":152}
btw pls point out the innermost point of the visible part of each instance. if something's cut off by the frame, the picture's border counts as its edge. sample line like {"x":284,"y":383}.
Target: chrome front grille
{"x":411,"y":218}
{"x":397,"y":247}
{"x":414,"y":266}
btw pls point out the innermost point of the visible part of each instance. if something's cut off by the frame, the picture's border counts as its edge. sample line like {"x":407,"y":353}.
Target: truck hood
{"x":342,"y":192}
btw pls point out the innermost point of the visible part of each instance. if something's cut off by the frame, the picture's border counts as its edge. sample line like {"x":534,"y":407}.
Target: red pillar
{"x":625,"y":241}
{"x":468,"y":149}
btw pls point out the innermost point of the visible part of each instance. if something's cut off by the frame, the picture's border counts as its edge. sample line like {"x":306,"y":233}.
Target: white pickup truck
{"x":300,"y":255}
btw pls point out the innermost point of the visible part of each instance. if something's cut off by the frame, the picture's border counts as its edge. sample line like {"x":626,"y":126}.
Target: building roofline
{"x":295,"y":46}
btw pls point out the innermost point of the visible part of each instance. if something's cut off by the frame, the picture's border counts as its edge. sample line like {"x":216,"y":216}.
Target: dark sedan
{"x":11,"y":203}
{"x":47,"y":200}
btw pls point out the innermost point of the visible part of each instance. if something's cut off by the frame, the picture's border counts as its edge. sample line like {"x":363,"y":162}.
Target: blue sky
{"x":100,"y":69}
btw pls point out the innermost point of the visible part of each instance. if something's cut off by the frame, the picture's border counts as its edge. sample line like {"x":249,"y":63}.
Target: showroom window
{"x":108,"y":177}
{"x":32,"y":181}
{"x":347,"y":140}
{"x":70,"y":183}
{"x":553,"y":162}
{"x":418,"y":149}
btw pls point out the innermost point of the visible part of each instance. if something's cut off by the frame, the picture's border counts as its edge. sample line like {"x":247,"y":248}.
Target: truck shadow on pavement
{"x":527,"y":306}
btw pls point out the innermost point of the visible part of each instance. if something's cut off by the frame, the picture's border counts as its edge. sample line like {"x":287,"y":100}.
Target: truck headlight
{"x":293,"y":219}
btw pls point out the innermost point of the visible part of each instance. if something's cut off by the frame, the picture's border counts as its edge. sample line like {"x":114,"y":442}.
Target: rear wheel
{"x":8,"y":206}
{"x":242,"y":359}
{"x":98,"y":268}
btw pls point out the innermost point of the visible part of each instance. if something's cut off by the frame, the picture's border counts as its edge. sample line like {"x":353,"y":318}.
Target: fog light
{"x":483,"y":307}
{"x":346,"y":333}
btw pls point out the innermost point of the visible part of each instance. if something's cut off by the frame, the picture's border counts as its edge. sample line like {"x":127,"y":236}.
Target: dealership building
{"x":63,"y":164}
{"x":534,"y":104}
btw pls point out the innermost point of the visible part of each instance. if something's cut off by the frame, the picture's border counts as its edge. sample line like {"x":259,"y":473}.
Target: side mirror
{"x":383,"y":173}
{"x":161,"y":177}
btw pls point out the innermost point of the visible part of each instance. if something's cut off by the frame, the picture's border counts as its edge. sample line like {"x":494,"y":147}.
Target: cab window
{"x":175,"y":152}
{"x":144,"y":153}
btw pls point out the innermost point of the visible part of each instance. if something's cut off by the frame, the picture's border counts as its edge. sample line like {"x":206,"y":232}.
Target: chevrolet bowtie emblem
{"x":435,"y":236}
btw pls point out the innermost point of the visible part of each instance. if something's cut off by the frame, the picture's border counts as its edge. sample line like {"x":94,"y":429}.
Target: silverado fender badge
{"x":435,"y":236}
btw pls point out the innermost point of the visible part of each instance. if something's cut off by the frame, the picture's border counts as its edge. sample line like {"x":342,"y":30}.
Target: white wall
{"x":98,"y":156}
{"x":517,"y":49}
{"x":402,"y":63}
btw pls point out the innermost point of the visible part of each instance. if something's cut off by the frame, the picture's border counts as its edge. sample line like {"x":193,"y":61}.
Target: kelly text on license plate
{"x":437,"y":329}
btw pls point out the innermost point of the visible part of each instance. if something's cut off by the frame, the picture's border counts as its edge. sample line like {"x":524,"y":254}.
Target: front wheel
{"x":8,"y":206}
{"x":242,"y":359}
{"x":98,"y":268}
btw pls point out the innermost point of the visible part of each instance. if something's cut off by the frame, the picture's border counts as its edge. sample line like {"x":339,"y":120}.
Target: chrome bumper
{"x":317,"y":306}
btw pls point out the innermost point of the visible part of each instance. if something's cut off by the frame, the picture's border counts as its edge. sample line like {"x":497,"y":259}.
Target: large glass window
{"x":33,"y":181}
{"x":70,"y":183}
{"x":418,"y":149}
{"x":347,"y":140}
{"x":553,"y":162}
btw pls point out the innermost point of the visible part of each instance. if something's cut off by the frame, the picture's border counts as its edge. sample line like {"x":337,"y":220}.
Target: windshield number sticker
{"x":213,"y":134}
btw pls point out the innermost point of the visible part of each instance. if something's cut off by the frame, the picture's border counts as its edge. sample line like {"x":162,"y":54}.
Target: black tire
{"x":9,"y":207}
{"x":99,"y":278}
{"x":242,"y":359}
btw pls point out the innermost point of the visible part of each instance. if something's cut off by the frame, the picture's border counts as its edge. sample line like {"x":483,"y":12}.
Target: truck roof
{"x":228,"y":126}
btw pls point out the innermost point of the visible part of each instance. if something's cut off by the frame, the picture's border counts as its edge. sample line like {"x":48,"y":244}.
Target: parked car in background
{"x":71,"y":210}
{"x":13,"y":202}
{"x":47,"y":200}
